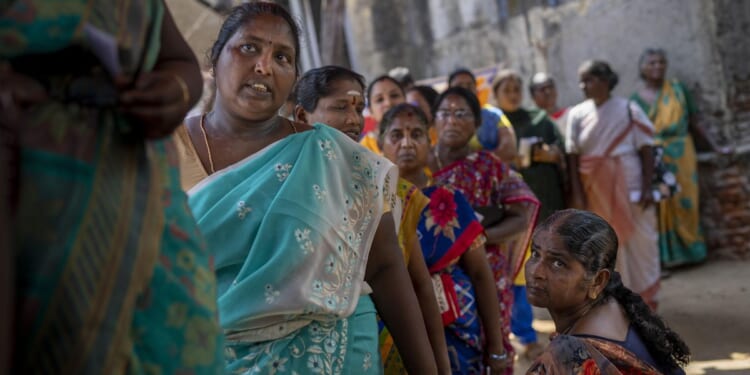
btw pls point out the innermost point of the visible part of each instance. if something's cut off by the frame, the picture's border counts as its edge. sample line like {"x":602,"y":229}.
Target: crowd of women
{"x":240,"y":241}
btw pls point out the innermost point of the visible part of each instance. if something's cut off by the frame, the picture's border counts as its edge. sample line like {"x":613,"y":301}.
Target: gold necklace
{"x":208,"y":147}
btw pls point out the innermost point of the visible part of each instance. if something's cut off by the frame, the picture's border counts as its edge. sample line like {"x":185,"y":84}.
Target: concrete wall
{"x":198,"y":24}
{"x":470,"y":33}
{"x":706,"y":41}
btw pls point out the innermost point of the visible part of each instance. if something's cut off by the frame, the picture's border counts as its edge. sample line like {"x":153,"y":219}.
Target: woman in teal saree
{"x":298,"y":216}
{"x":111,"y":274}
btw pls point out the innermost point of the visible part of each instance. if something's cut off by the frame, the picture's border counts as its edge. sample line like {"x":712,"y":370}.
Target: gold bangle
{"x":184,"y":88}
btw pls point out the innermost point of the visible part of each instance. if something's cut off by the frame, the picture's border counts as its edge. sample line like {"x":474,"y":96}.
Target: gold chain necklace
{"x":208,"y":147}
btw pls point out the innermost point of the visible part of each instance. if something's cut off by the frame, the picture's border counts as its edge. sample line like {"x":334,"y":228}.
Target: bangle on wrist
{"x":499,"y":357}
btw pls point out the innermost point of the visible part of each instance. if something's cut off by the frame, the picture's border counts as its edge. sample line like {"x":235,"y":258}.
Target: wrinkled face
{"x":509,"y":95}
{"x":593,"y":87}
{"x":655,"y":67}
{"x":342,"y":109}
{"x":545,"y":95}
{"x":454,"y":122}
{"x":554,"y":279}
{"x":385,"y":95}
{"x":255,"y":71}
{"x":406,"y":143}
{"x":465,"y":81}
{"x":415,"y":98}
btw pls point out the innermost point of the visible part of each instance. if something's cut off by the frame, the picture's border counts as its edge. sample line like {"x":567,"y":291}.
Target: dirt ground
{"x":709,"y":306}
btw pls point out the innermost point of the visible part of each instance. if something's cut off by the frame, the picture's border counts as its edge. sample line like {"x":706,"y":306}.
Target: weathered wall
{"x":706,"y":41}
{"x":198,"y":25}
{"x":433,"y":37}
{"x":725,"y":188}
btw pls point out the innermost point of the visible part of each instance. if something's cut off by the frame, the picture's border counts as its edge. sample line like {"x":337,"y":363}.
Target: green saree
{"x":112,"y":276}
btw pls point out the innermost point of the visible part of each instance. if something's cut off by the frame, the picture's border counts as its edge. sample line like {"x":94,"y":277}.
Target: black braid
{"x":593,"y":242}
{"x":667,"y":348}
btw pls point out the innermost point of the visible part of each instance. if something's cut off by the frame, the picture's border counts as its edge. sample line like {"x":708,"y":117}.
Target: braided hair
{"x":593,"y":242}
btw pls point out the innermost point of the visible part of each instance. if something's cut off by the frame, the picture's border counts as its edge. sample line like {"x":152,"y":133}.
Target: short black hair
{"x":394,"y":112}
{"x":429,"y":94}
{"x":316,"y":84}
{"x":243,"y":14}
{"x":600,"y":69}
{"x":460,"y":71}
{"x":377,"y":79}
{"x":470,"y":98}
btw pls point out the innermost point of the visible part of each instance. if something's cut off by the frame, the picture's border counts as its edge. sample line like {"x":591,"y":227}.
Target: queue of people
{"x":241,"y":241}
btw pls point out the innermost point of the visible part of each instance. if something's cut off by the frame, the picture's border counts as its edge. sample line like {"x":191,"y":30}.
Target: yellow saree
{"x":680,"y":235}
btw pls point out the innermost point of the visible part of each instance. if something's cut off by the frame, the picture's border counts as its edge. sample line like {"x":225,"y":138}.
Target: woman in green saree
{"x":675,"y":116}
{"x":111,"y":274}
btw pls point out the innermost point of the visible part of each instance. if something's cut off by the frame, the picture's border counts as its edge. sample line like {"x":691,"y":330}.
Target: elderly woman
{"x":453,"y":244}
{"x":601,"y":325}
{"x":297,"y":217}
{"x":508,"y":206}
{"x":670,"y":107}
{"x":542,"y":168}
{"x":610,"y":160}
{"x":495,"y":132}
{"x":541,"y":164}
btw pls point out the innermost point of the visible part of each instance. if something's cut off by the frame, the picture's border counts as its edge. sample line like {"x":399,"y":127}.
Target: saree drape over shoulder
{"x":449,"y":228}
{"x":291,"y":227}
{"x":568,"y":354}
{"x":680,"y":234}
{"x":486,"y":181}
{"x":610,"y":169}
{"x":112,"y":275}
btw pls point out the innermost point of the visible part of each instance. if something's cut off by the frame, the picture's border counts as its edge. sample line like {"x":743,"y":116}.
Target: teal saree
{"x":112,"y":276}
{"x":291,"y":227}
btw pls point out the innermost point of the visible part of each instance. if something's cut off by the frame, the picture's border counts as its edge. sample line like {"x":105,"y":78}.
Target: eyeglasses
{"x":460,"y":114}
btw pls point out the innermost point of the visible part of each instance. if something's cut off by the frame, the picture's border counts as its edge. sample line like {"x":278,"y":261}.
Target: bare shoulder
{"x":607,"y":320}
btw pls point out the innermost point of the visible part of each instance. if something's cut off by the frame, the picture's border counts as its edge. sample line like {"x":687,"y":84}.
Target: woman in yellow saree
{"x":673,"y":113}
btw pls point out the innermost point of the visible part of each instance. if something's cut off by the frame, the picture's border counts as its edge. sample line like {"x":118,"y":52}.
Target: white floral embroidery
{"x":322,"y":350}
{"x":271,"y":294}
{"x":331,"y":263}
{"x":303,"y":239}
{"x":282,"y":171}
{"x":328,"y":151}
{"x":320,"y":193}
{"x":315,"y":364}
{"x":277,"y":365}
{"x":243,"y":209}
{"x":367,"y":362}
